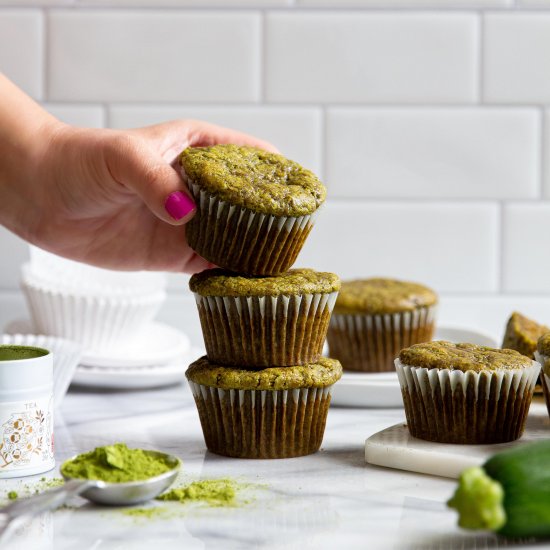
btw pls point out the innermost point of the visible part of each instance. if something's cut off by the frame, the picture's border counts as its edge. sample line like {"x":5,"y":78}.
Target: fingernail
{"x":178,"y":205}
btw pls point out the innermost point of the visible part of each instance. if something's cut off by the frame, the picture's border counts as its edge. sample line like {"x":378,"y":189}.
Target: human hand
{"x":115,"y":199}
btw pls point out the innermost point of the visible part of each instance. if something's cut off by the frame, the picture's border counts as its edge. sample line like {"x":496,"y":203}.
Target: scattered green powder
{"x":146,"y":513}
{"x":27,"y":489}
{"x":116,"y":464}
{"x":216,"y":492}
{"x":46,"y":483}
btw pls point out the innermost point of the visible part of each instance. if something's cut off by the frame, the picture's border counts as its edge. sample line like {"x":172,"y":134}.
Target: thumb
{"x":136,"y":167}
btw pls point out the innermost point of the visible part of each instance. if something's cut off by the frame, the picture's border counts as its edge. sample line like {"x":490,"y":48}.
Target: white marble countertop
{"x":321,"y":501}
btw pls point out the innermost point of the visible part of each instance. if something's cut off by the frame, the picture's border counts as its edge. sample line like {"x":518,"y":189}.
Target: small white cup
{"x":26,"y":411}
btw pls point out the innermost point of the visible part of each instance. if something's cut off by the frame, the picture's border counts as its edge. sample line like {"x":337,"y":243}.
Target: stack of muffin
{"x":263,"y":389}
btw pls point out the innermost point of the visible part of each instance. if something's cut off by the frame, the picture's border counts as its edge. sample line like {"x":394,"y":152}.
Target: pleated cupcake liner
{"x":451,"y":406}
{"x":265,"y":331}
{"x":262,"y":423}
{"x":544,"y":377}
{"x":47,"y":269}
{"x":370,"y":343}
{"x":244,"y":241}
{"x":98,"y":323}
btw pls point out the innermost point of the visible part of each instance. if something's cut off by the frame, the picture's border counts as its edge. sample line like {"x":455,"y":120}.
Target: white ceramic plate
{"x":156,"y":344}
{"x":150,"y":376}
{"x":382,"y":389}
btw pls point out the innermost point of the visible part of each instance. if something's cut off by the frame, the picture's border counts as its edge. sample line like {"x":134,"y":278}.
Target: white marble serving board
{"x":394,"y":447}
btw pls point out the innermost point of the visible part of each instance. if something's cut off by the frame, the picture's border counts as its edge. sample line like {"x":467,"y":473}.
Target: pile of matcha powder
{"x":116,"y":464}
{"x":119,"y":464}
{"x":215,"y":492}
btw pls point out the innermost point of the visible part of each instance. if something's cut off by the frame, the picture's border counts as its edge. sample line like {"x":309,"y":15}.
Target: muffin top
{"x":315,"y":375}
{"x":464,"y":357}
{"x":543,"y":344}
{"x":218,"y":282}
{"x":377,"y":296}
{"x":522,"y":334}
{"x":260,"y":181}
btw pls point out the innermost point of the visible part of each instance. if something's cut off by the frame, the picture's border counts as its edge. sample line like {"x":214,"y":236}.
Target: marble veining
{"x":325,"y":501}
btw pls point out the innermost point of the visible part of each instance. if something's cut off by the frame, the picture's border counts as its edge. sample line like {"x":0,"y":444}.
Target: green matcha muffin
{"x":375,"y":318}
{"x":464,"y":393}
{"x":275,"y":412}
{"x":542,"y":355}
{"x":522,"y":334}
{"x":264,"y":321}
{"x":254,"y":209}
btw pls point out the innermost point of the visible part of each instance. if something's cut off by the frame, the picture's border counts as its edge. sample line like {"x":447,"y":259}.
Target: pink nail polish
{"x":178,"y":205}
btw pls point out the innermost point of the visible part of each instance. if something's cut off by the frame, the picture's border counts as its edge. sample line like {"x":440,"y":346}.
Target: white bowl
{"x":66,"y":356}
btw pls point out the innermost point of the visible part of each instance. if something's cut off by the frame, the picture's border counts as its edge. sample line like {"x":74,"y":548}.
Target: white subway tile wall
{"x":516,"y":58}
{"x":295,"y":131}
{"x":371,"y":57}
{"x":87,"y":116}
{"x":119,"y":55}
{"x":447,"y":245}
{"x":434,"y":153}
{"x":21,"y":39}
{"x":526,"y":233}
{"x":429,"y":121}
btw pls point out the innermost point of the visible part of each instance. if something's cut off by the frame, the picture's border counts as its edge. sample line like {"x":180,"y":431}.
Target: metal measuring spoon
{"x":99,"y":492}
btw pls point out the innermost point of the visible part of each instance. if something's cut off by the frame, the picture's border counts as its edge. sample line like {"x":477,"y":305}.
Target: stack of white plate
{"x":111,"y":314}
{"x":157,"y":356}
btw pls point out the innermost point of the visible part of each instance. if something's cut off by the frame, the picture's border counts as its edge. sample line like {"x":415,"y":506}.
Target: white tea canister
{"x":26,"y":411}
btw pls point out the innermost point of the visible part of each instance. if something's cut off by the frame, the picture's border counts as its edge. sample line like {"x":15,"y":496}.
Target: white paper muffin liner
{"x":96,"y":322}
{"x":370,"y":343}
{"x":244,"y":241}
{"x":66,"y":356}
{"x":262,"y":423}
{"x":451,"y":406}
{"x":265,"y":331}
{"x":49,"y":269}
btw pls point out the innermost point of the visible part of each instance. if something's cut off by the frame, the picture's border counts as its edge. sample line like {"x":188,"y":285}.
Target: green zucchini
{"x":509,"y":494}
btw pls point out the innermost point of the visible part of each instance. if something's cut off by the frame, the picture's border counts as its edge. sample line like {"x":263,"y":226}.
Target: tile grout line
{"x":293,"y":7}
{"x":481,"y":59}
{"x":105,"y":107}
{"x":542,"y":151}
{"x":501,"y":247}
{"x":305,"y":105}
{"x":262,"y":58}
{"x":14,"y":292}
{"x":45,"y":63}
{"x":323,"y":146}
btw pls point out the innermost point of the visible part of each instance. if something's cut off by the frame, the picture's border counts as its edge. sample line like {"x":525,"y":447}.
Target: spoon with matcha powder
{"x":113,"y":475}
